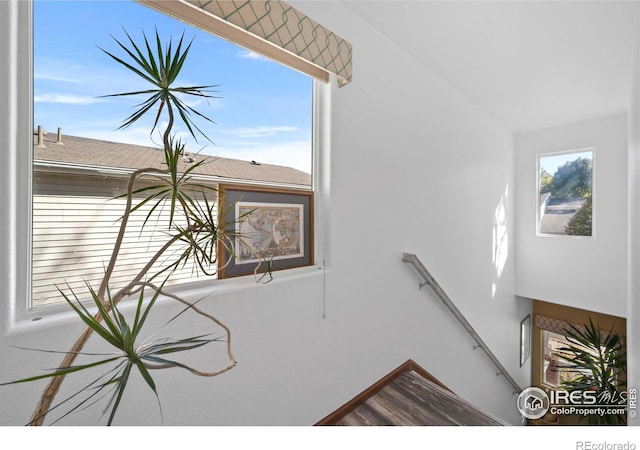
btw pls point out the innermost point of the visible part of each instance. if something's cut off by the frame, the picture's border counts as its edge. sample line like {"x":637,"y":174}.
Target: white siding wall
{"x":75,"y":224}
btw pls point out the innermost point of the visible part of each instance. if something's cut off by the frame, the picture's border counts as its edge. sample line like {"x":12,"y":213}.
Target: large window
{"x":262,"y":134}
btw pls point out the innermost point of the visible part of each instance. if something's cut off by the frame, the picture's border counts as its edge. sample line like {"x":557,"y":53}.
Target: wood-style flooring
{"x":409,"y":396}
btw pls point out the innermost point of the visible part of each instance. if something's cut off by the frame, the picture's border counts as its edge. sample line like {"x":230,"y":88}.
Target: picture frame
{"x":525,"y":339}
{"x":270,"y":229}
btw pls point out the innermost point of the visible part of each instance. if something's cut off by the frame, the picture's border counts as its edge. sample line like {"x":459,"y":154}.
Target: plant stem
{"x":53,"y":387}
{"x":123,"y":226}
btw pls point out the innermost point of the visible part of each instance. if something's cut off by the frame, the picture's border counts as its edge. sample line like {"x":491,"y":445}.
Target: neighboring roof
{"x":409,"y":395}
{"x":93,"y":154}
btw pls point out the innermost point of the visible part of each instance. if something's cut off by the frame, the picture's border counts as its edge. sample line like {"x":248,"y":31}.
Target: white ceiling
{"x":531,"y":64}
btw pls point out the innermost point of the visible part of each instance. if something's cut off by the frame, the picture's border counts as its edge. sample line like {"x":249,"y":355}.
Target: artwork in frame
{"x":271,"y":229}
{"x":525,"y":339}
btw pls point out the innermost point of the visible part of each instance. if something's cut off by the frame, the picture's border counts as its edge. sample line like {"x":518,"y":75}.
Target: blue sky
{"x":263,"y":112}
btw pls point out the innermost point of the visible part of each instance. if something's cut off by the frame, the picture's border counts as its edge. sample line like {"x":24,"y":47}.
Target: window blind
{"x":271,"y":28}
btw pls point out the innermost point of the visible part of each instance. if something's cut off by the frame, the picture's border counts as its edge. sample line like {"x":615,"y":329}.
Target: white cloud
{"x":61,"y":70}
{"x":277,"y":145}
{"x":296,"y":154}
{"x":259,"y":131}
{"x":53,"y":77}
{"x":194,"y":102}
{"x":66,"y":99}
{"x":88,"y":78}
{"x":246,"y":54}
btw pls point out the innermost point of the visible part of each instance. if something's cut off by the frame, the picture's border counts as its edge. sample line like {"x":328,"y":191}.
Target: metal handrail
{"x":437,"y":289}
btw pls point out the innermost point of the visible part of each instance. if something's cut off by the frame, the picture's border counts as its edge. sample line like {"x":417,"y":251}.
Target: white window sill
{"x":41,"y":319}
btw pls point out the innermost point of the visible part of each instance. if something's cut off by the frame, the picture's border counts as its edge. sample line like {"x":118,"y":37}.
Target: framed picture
{"x":525,"y":339}
{"x":269,"y":229}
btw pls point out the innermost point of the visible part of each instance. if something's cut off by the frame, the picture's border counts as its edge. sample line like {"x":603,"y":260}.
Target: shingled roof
{"x":94,"y":154}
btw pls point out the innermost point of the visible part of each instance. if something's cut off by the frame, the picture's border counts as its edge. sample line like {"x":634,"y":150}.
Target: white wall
{"x":633,"y":317}
{"x":414,"y":167}
{"x":579,"y":272}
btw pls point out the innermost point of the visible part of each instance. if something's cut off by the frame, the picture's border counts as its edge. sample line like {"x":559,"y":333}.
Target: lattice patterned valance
{"x":269,"y":27}
{"x":559,"y":326}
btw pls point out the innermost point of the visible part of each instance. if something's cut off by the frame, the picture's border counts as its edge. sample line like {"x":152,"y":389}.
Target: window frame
{"x":19,"y":178}
{"x":538,"y":216}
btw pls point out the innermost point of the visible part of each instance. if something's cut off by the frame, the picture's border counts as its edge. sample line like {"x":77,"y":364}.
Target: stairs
{"x":408,"y":396}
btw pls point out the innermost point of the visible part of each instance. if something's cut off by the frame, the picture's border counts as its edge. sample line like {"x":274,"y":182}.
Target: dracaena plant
{"x":597,"y":362}
{"x":192,"y":237}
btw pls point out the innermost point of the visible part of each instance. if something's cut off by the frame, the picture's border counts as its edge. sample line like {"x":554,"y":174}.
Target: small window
{"x":565,"y":194}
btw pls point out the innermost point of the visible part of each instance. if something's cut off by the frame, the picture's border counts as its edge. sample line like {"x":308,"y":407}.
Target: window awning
{"x":271,"y":28}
